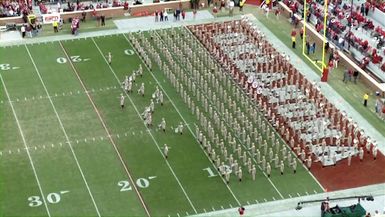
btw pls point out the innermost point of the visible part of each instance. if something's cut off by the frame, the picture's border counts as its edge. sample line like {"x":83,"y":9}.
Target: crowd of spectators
{"x":80,"y":6}
{"x":343,"y":25}
{"x":10,"y":8}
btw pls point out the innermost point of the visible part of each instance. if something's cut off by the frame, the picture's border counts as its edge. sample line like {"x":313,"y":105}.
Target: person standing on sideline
{"x":55,"y":25}
{"x":355,"y":76}
{"x":165,"y":14}
{"x":156,"y":16}
{"x":103,"y":20}
{"x":165,"y":151}
{"x":366,"y":97}
{"x":241,"y":211}
{"x":22,"y":29}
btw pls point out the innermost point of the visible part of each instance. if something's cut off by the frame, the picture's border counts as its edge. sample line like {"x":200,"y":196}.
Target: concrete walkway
{"x":124,"y":26}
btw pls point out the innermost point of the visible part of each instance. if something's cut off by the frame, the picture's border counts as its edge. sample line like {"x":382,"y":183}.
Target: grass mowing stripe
{"x":64,"y":132}
{"x":108,"y":133}
{"x":26,"y":147}
{"x":153,"y":138}
{"x":177,"y":110}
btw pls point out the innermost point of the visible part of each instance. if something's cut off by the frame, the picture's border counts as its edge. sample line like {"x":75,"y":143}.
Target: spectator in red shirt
{"x":241,"y":210}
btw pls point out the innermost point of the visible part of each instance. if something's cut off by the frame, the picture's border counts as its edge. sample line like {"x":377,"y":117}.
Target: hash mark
{"x":52,"y":145}
{"x":178,"y":214}
{"x":101,"y":138}
{"x":93,"y":138}
{"x":204,"y":210}
{"x":222,"y":207}
{"x":306,"y":193}
{"x":117,"y":135}
{"x":213,"y":208}
{"x":315,"y":192}
{"x":60,"y":144}
{"x":256,"y":201}
{"x":248,"y":203}
{"x":43,"y":146}
{"x":186,"y":213}
{"x":265,"y":199}
{"x":10,"y":151}
{"x":77,"y":141}
{"x":231,"y":205}
{"x":290,"y":196}
{"x":63,"y":192}
{"x":152,"y":177}
{"x":273,"y":198}
{"x":298,"y":195}
{"x":85,"y":140}
{"x":35,"y":148}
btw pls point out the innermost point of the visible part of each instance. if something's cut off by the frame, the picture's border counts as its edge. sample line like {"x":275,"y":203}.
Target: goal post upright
{"x":323,"y":65}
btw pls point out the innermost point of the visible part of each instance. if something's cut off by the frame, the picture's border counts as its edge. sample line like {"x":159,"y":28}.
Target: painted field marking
{"x":187,"y":213}
{"x":273,"y":198}
{"x":26,"y":147}
{"x":204,"y":210}
{"x":178,"y":214}
{"x":248,"y":203}
{"x":188,"y":126}
{"x":222,"y":207}
{"x":64,"y":132}
{"x":290,"y":196}
{"x":306,"y":193}
{"x":256,"y":201}
{"x":231,"y":206}
{"x":315,"y":192}
{"x":265,"y":199}
{"x":213,"y":208}
{"x":151,"y":177}
{"x":107,"y":131}
{"x":153,"y":138}
{"x":298,"y":195}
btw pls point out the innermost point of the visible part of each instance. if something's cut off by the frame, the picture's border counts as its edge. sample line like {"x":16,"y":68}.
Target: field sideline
{"x":68,"y":149}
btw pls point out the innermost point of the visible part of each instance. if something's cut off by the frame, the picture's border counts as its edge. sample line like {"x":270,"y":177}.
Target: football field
{"x":68,"y":149}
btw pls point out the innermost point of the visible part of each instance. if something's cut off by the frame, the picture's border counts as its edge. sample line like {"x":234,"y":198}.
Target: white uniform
{"x":240,"y":174}
{"x":165,"y":151}
{"x":162,"y":125}
{"x":109,"y":56}
{"x":122,"y":101}
{"x":141,"y":89}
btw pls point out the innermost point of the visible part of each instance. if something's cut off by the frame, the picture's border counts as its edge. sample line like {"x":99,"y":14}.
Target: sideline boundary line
{"x":65,"y":133}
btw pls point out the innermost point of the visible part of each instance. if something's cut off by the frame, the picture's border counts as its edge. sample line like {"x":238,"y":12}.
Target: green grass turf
{"x":352,"y":93}
{"x":56,"y":167}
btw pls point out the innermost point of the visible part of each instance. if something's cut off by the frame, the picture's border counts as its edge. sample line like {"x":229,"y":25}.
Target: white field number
{"x":52,"y":198}
{"x":7,"y":66}
{"x":210,"y":171}
{"x":75,"y":59}
{"x":141,"y":183}
{"x":129,"y":52}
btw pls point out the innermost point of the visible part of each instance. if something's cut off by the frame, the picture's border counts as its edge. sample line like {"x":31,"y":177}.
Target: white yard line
{"x":65,"y":134}
{"x":108,"y":133}
{"x":148,"y":130}
{"x":26,"y":148}
{"x":180,"y":114}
